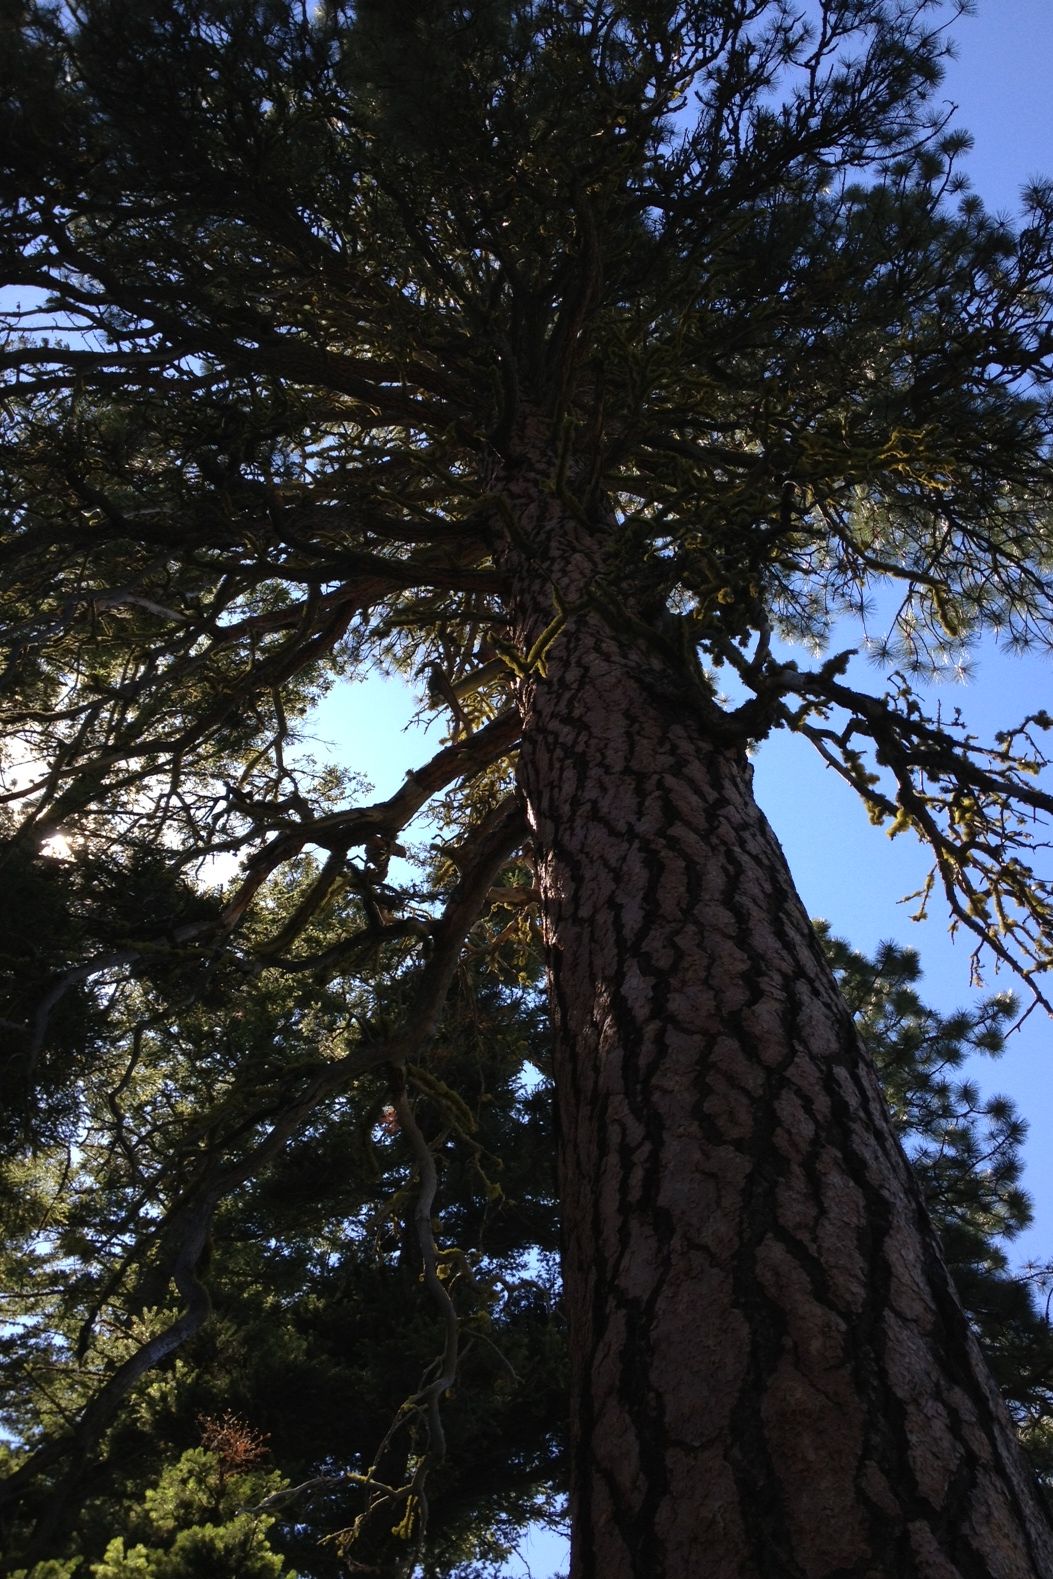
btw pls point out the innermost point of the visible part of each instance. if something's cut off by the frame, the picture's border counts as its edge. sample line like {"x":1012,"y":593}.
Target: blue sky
{"x":846,"y":870}
{"x":1001,"y":83}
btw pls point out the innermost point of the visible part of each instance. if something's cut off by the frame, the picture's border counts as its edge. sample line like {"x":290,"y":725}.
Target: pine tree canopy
{"x":500,"y":344}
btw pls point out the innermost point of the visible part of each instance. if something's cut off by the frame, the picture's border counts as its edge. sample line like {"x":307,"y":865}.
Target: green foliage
{"x":193,"y":1525}
{"x":965,"y":1149}
{"x":318,"y":1331}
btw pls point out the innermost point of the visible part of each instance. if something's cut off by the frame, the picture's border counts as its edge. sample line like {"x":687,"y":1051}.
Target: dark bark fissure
{"x":771,"y":1373}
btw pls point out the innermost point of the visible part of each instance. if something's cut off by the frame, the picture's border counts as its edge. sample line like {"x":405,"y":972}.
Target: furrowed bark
{"x":772,"y":1376}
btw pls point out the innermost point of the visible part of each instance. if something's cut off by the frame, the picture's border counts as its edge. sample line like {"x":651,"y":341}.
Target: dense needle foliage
{"x":318,"y":1329}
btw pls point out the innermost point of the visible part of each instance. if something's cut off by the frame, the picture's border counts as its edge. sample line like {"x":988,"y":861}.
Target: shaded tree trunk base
{"x":772,"y":1376}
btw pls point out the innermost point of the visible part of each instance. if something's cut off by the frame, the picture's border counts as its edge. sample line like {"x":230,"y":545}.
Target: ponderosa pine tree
{"x":564,"y":353}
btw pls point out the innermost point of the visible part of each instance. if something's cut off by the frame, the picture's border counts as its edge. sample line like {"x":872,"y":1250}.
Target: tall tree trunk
{"x":772,"y":1375}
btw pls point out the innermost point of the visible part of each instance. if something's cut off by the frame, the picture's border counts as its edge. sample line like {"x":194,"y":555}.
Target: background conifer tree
{"x":317,"y":1330}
